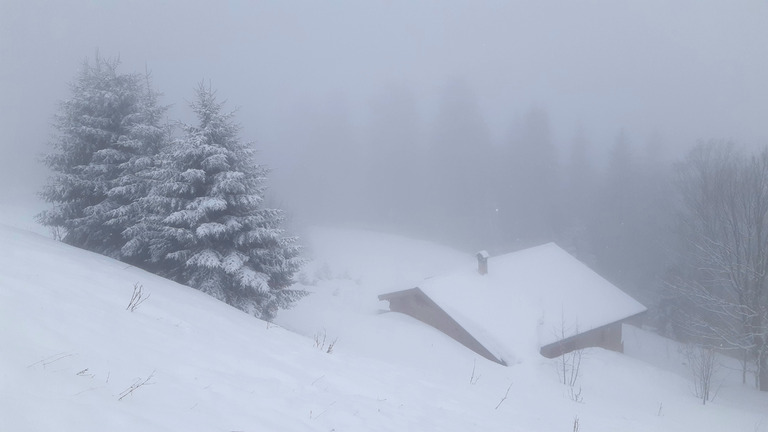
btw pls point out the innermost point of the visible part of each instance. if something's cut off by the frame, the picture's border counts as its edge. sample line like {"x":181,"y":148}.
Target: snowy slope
{"x":70,"y":350}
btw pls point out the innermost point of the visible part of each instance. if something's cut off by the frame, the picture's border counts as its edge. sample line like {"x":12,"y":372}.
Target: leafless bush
{"x":576,"y":424}
{"x":321,"y":342}
{"x":474,"y":378}
{"x":702,"y":362}
{"x":569,"y":367}
{"x":137,"y":298}
{"x":136,"y":385}
{"x":575,"y":395}
{"x":569,"y":364}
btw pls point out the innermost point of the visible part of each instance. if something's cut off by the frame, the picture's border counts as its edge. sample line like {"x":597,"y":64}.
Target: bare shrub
{"x":474,"y":378}
{"x":137,"y":298}
{"x":322,"y":343}
{"x":569,"y":367}
{"x":569,"y":364}
{"x":575,"y":395}
{"x":702,"y":362}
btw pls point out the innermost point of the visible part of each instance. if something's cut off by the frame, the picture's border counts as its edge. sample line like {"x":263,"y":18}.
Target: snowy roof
{"x":529,"y":299}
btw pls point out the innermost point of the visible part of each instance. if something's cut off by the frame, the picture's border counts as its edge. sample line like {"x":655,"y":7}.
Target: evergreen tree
{"x":107,"y":132}
{"x":147,"y":135}
{"x":206,"y":224}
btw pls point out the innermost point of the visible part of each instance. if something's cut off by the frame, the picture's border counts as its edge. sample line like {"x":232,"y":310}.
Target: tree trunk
{"x":744,"y":362}
{"x":762,"y":370}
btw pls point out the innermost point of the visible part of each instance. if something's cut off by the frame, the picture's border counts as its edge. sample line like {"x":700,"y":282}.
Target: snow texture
{"x":70,"y":349}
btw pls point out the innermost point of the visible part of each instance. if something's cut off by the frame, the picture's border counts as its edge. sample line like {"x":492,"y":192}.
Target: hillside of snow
{"x":73,"y":357}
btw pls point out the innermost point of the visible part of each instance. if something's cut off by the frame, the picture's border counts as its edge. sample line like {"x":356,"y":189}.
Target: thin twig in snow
{"x":48,"y":360}
{"x":505,"y":397}
{"x":136,"y":385}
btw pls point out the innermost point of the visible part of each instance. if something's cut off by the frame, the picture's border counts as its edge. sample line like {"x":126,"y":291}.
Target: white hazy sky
{"x":683,"y":69}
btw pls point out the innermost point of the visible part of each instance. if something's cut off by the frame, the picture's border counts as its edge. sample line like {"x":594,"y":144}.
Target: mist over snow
{"x":311,"y":75}
{"x":207,"y":141}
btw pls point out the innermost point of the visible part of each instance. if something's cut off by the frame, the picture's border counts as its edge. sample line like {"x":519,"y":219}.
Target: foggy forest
{"x":631,"y":134}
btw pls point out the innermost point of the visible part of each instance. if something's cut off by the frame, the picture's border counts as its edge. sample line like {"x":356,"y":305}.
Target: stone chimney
{"x":482,"y":262}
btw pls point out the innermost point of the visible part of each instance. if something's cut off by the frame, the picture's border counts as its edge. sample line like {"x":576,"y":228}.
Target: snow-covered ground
{"x":70,"y":353}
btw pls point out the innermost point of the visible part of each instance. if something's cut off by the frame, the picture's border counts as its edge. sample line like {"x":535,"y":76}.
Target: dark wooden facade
{"x":607,"y":336}
{"x":415,"y":303}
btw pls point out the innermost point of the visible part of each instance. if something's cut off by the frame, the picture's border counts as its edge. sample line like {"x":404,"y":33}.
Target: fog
{"x":335,"y":93}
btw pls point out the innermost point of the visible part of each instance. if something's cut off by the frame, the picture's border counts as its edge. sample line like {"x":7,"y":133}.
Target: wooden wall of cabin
{"x":421,"y":307}
{"x":608,"y":337}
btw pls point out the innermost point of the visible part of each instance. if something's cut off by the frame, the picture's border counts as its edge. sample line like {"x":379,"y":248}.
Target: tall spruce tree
{"x":107,"y":133}
{"x":148,"y":134}
{"x":205,"y":221}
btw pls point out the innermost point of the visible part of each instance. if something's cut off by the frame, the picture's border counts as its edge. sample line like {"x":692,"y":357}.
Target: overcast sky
{"x":683,"y":69}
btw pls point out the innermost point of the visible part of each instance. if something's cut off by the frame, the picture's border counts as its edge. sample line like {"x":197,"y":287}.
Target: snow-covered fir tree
{"x":206,"y":224}
{"x":148,"y":134}
{"x":108,"y":132}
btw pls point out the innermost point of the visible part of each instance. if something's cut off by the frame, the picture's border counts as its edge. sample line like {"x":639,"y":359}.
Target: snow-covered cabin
{"x":540,"y":299}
